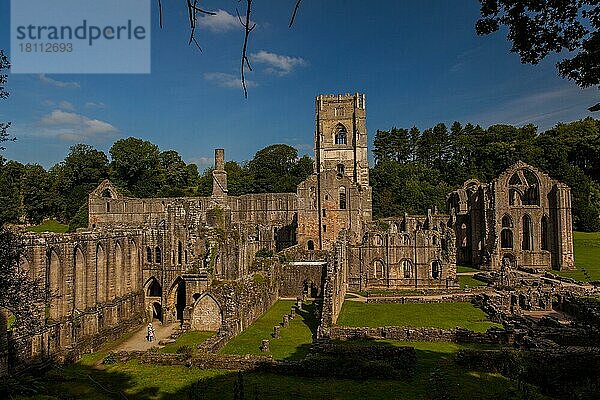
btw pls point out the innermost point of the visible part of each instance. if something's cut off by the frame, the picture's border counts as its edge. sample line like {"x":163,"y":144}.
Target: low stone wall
{"x":453,"y":298}
{"x":201,"y":360}
{"x":457,"y":335}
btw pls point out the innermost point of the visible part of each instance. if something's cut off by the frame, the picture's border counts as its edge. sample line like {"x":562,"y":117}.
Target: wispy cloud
{"x":60,"y":84}
{"x":277,"y":63}
{"x":70,"y":126}
{"x":227,"y":80}
{"x":203,"y":162}
{"x":96,"y":105}
{"x":544,"y":109}
{"x":66,"y":105}
{"x":222,"y":21}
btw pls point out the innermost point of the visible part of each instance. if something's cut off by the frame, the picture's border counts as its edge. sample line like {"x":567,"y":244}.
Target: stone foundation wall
{"x":456,"y":335}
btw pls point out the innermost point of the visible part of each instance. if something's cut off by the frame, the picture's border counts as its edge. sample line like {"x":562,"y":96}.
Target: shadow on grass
{"x":436,"y":374}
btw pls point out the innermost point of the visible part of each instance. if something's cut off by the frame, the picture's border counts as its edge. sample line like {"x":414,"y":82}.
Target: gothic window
{"x":545,"y":245}
{"x":310,"y":245}
{"x":434,"y":240}
{"x":407,"y":268}
{"x":158,"y":255}
{"x":524,"y":188}
{"x":343,"y":198}
{"x":340,"y":169}
{"x":463,"y":234}
{"x":507,"y":221}
{"x":506,"y":239}
{"x":378,"y":269}
{"x":179,"y":253}
{"x":436,"y":270}
{"x":149,"y":255}
{"x":527,"y":242}
{"x":324,"y":213}
{"x":406,"y":240}
{"x":108,"y":206}
{"x":377,"y":241}
{"x":341,"y":135}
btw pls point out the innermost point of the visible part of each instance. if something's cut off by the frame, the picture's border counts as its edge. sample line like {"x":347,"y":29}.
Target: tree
{"x":4,"y":66}
{"x":79,"y":174}
{"x":537,"y":28}
{"x":38,"y":198}
{"x":21,"y":295}
{"x":135,"y":166}
{"x":11,"y":174}
{"x":274,"y":169}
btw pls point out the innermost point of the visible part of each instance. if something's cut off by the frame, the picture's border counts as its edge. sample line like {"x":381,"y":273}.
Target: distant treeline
{"x":413,"y":171}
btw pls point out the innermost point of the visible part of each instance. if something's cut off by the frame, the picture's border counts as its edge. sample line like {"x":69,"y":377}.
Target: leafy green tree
{"x":537,"y":28}
{"x":274,"y":169}
{"x":38,"y":198}
{"x":136,"y":166}
{"x":394,"y":144}
{"x":174,"y":175}
{"x":79,"y":174}
{"x":11,"y":173}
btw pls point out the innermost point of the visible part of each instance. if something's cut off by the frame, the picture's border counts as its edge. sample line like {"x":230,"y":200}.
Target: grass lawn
{"x":462,"y":268}
{"x":294,"y":341}
{"x":133,"y":380}
{"x":586,"y":247}
{"x":438,"y":315}
{"x":468,"y":280}
{"x":49,"y":226}
{"x":191,"y":338}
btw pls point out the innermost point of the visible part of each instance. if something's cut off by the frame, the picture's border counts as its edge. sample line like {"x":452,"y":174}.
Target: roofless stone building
{"x":193,"y":259}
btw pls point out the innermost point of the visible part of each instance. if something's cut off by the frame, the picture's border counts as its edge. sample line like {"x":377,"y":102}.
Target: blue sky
{"x":419,"y":63}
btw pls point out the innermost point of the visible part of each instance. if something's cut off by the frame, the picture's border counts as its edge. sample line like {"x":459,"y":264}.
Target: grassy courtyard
{"x":440,"y":315}
{"x":191,"y":338}
{"x":294,"y":341}
{"x":586,"y":247}
{"x":49,"y":226}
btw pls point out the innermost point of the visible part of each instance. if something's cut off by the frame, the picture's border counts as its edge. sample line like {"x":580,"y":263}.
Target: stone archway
{"x":207,"y":314}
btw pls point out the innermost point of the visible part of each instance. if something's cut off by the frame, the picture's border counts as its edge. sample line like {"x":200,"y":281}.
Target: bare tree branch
{"x":160,"y":13}
{"x":294,"y":13}
{"x":248,"y":27}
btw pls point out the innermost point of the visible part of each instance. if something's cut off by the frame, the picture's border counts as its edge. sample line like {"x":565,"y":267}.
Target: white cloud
{"x":93,"y":104}
{"x":60,"y":84}
{"x":222,"y":21}
{"x":66,"y":105}
{"x":277,"y":63}
{"x":70,"y":126}
{"x":203,"y":161}
{"x":227,"y":80}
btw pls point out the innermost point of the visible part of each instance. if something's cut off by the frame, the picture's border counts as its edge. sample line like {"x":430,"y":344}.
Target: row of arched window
{"x":526,"y":237}
{"x":155,"y":255}
{"x":407,"y":269}
{"x":104,"y":279}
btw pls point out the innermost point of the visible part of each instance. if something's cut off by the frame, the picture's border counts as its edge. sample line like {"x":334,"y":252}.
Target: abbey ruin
{"x":194,"y":260}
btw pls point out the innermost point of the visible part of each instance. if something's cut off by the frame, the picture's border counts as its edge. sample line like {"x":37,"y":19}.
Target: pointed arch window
{"x":436,"y":270}
{"x":545,"y":239}
{"x":407,"y":268}
{"x":341,"y":135}
{"x":158,"y":255}
{"x":378,"y":269}
{"x":527,"y":242}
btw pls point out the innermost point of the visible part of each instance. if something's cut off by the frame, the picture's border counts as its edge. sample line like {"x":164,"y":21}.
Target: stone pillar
{"x":299,"y":304}
{"x":564,"y":229}
{"x":264,"y":347}
{"x":276,"y":332}
{"x":219,"y":176}
{"x":286,"y":321}
{"x":293,"y":313}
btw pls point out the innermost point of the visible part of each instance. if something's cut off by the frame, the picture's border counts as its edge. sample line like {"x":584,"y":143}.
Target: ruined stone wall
{"x":95,"y":279}
{"x":336,"y":284}
{"x":521,"y":219}
{"x":412,"y":252}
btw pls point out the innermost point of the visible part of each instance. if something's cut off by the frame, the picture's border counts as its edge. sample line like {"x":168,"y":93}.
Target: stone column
{"x":264,"y":347}
{"x":286,"y":321}
{"x":276,"y":332}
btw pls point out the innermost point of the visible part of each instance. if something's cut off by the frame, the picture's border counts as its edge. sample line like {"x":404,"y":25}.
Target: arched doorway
{"x":179,"y":298}
{"x":156,"y":311}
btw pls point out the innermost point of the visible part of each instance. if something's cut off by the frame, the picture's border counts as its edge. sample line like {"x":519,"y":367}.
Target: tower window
{"x":340,"y":169}
{"x":341,"y":135}
{"x":324,"y":213}
{"x":342,"y":198}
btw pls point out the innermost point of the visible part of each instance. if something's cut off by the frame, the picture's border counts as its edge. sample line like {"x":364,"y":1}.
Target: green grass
{"x":438,"y":315}
{"x":134,"y":380}
{"x":467,"y":280}
{"x":586,"y":247}
{"x":191,"y":338}
{"x":294,"y":341}
{"x":49,"y":226}
{"x":462,"y":268}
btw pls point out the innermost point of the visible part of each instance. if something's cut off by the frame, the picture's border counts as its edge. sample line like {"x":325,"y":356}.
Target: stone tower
{"x":219,"y":192}
{"x":341,"y":136}
{"x":337,"y":196}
